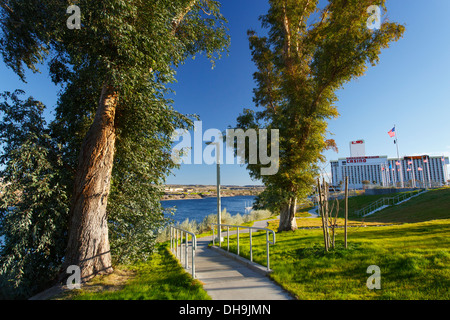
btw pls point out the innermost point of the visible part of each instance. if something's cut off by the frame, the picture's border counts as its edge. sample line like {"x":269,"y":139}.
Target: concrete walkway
{"x":227,"y":279}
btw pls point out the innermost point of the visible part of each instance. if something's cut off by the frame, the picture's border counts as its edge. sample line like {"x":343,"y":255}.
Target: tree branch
{"x":179,"y":18}
{"x":5,"y":6}
{"x":287,"y":31}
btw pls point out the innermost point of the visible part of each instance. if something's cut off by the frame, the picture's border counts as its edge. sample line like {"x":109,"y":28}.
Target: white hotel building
{"x":416,"y":171}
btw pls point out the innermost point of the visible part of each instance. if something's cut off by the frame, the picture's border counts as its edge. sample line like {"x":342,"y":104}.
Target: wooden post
{"x":325,"y":200}
{"x":322,"y":212}
{"x":346,"y":210}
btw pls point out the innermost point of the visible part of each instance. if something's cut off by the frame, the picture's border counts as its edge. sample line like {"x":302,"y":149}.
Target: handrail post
{"x":251,"y":248}
{"x":194,"y":245}
{"x":267,"y":250}
{"x":238,"y":241}
{"x":170,"y":236}
{"x":228,"y":238}
{"x":178,"y":236}
{"x":186,"y":252}
{"x":250,"y":230}
{"x":181,"y":246}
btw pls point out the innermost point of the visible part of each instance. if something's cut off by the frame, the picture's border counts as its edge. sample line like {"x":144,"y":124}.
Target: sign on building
{"x":357,"y":148}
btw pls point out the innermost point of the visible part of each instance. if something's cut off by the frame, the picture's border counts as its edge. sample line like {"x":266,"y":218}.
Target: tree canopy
{"x":134,"y":48}
{"x":310,"y":51}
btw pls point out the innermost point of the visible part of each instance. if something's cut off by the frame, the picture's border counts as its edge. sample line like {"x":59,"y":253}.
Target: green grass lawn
{"x":434,"y":204}
{"x":161,"y":278}
{"x":414,"y":260}
{"x":412,"y":251}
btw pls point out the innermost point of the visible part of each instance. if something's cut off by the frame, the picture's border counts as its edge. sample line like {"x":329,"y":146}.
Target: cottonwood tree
{"x":310,"y":52}
{"x":114,"y":72}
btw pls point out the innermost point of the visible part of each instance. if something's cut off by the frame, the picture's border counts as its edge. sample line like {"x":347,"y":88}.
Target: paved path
{"x":227,"y":279}
{"x":313,"y":212}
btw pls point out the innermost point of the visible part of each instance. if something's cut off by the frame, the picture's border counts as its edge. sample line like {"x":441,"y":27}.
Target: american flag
{"x":420,"y":169}
{"x":392,"y":132}
{"x":409,"y":162}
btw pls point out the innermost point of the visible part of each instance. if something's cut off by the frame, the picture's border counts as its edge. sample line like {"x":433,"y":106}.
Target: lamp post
{"x":219,"y":206}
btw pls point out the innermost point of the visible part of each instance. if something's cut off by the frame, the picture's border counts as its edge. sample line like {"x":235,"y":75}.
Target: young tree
{"x":309,"y":53}
{"x":121,"y":57}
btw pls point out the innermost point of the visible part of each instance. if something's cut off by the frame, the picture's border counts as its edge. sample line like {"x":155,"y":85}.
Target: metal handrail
{"x":176,"y":241}
{"x":387,"y":201}
{"x":228,"y":226}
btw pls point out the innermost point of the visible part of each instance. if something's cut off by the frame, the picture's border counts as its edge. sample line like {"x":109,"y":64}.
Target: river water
{"x":198,"y":209}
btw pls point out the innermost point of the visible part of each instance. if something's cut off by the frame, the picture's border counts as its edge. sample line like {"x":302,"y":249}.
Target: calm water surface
{"x":198,"y":209}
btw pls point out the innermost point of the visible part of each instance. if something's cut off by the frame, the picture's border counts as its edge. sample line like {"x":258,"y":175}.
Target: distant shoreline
{"x":185,"y":192}
{"x":206,"y":197}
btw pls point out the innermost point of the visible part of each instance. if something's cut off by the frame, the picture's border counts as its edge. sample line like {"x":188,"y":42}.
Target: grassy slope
{"x":414,"y":261}
{"x":435,"y":204}
{"x":414,"y":257}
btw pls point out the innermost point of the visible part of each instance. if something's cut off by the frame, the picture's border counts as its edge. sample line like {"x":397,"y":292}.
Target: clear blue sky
{"x":410,"y":88}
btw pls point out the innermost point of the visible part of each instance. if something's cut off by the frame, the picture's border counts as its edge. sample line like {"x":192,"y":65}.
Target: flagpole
{"x":429,"y":174}
{"x":445,"y":170}
{"x":423,"y":176}
{"x":398,"y":156}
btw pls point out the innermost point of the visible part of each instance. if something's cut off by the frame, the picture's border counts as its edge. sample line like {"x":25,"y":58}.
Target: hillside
{"x":433,"y":205}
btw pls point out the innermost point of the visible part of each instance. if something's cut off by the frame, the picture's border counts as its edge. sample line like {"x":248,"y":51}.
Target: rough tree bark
{"x":88,"y":243}
{"x":287,"y":216}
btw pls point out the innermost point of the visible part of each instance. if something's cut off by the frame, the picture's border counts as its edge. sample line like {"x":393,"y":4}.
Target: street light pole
{"x":219,"y":206}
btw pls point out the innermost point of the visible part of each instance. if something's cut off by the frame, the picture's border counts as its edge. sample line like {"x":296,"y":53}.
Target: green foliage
{"x":34,"y":204}
{"x":309,"y":53}
{"x":134,"y":47}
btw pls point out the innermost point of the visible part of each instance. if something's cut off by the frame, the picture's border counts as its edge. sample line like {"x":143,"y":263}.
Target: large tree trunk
{"x":88,"y":243}
{"x":288,"y":221}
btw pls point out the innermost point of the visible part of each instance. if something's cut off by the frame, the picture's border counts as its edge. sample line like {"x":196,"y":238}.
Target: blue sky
{"x":410,"y":88}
